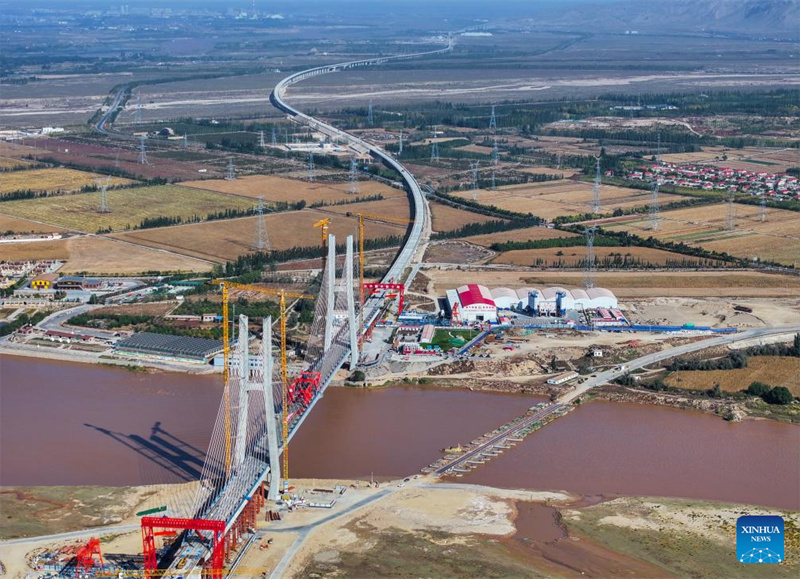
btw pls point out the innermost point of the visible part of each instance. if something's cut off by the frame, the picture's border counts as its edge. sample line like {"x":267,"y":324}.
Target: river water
{"x":70,"y":424}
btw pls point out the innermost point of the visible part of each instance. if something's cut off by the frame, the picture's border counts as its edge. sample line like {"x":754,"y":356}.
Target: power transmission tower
{"x":762,"y":210}
{"x":261,"y":238}
{"x":658,"y":148}
{"x":230,"y":174}
{"x":142,"y":150}
{"x":730,"y":220}
{"x":596,"y":189}
{"x":495,"y":153}
{"x":434,"y":148}
{"x":274,"y":137}
{"x":655,"y":218}
{"x":558,"y":160}
{"x":261,"y":143}
{"x":353,"y":187}
{"x":311,"y":170}
{"x":138,"y":115}
{"x":185,"y":141}
{"x":103,"y":197}
{"x":370,"y":118}
{"x":589,"y":269}
{"x":400,"y":145}
{"x":493,"y":120}
{"x":116,"y":158}
{"x":473,"y":165}
{"x":493,"y":184}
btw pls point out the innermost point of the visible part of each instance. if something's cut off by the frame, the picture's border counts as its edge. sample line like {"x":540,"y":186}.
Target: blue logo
{"x":759,"y":539}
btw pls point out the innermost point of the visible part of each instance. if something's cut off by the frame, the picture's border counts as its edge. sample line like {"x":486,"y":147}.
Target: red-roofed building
{"x":475,"y":303}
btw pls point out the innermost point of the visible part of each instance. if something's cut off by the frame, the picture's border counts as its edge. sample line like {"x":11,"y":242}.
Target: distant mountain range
{"x":753,"y":17}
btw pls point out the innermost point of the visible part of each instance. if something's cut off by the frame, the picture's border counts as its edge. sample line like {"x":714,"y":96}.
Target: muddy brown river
{"x":79,"y":424}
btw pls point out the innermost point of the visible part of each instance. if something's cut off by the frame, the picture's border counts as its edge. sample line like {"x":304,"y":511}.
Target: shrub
{"x":758,"y":389}
{"x":778,"y":395}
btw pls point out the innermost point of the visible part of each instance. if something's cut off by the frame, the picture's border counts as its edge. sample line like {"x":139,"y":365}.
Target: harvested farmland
{"x":128,"y":207}
{"x":775,"y":239}
{"x":397,"y":208}
{"x":526,"y":234}
{"x":100,"y":255}
{"x":225,"y":240}
{"x":8,"y":163}
{"x":564,"y":197}
{"x":24,"y":226}
{"x":446,"y":218}
{"x":276,"y":189}
{"x":66,"y":180}
{"x":772,"y":370}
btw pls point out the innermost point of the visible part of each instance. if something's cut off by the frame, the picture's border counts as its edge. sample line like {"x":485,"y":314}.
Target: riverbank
{"x":421,"y":527}
{"x":150,"y":365}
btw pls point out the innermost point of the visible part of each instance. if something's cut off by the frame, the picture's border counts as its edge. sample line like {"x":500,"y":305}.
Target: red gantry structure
{"x":84,"y":558}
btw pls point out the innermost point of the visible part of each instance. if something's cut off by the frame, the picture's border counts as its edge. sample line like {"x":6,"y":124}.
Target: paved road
{"x":609,"y":375}
{"x":72,"y":535}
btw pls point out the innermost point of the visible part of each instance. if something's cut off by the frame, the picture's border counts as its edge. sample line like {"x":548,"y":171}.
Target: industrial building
{"x":181,"y":348}
{"x":78,"y":283}
{"x":471,"y":303}
{"x":561,"y":378}
{"x":475,"y":303}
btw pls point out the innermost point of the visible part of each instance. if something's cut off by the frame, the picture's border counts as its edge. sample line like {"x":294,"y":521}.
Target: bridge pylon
{"x":351,"y":308}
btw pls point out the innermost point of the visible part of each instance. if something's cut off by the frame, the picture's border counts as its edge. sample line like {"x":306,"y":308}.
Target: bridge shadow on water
{"x":177,"y":457}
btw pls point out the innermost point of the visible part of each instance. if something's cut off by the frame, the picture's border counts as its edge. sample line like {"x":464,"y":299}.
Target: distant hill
{"x":755,"y":17}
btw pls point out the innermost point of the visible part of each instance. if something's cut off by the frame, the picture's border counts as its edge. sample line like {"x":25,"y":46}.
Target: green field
{"x":128,"y":207}
{"x":447,"y":339}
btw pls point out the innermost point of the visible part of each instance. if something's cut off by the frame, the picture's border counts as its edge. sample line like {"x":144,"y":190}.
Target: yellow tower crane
{"x":227,"y":286}
{"x":324,"y":225}
{"x":361,"y":218}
